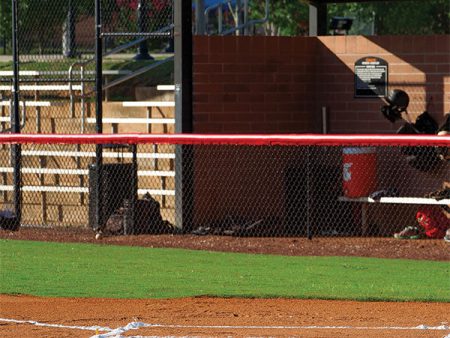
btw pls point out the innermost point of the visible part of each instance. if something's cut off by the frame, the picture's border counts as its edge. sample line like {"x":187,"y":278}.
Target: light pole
{"x":142,"y":49}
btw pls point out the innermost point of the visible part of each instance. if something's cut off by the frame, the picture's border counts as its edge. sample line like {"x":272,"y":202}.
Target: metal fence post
{"x":98,"y":115}
{"x":183,"y":113}
{"x":15,"y":121}
{"x":143,"y":49}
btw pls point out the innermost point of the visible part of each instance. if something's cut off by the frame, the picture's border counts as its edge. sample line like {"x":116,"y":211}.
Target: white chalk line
{"x":33,"y":322}
{"x":136,"y":325}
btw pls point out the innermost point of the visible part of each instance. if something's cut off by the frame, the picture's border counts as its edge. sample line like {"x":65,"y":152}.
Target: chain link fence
{"x":56,"y":47}
{"x":346,"y":190}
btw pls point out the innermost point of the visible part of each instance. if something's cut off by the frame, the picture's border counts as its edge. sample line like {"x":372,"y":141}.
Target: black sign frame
{"x":371,"y":77}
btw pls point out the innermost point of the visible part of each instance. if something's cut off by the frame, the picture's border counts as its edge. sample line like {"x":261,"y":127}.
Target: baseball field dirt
{"x":218,"y":317}
{"x":30,"y":316}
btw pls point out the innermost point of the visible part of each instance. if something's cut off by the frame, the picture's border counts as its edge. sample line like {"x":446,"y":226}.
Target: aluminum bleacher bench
{"x":42,"y":87}
{"x":32,"y":103}
{"x":92,"y":154}
{"x":61,"y":171}
{"x":391,"y":200}
{"x":74,"y":189}
{"x":148,"y":104}
{"x":132,"y":120}
{"x":165,"y":87}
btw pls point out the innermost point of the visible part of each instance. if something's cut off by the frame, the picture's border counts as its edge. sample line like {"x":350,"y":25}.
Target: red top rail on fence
{"x":233,"y":139}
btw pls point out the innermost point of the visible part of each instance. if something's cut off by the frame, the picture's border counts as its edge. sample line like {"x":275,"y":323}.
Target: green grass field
{"x":91,"y":270}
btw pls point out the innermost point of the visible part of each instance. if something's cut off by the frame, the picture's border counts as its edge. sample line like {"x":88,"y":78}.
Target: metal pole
{"x":308,"y":193}
{"x":98,"y":116}
{"x":69,"y":33}
{"x":183,"y":114}
{"x":143,"y":49}
{"x":200,"y":17}
{"x":15,"y":121}
{"x":317,"y":18}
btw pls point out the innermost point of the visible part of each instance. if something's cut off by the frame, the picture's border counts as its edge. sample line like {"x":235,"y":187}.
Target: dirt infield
{"x":217,"y":317}
{"x":291,"y":246}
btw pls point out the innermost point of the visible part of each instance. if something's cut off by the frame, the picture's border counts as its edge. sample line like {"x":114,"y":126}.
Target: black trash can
{"x":117,"y":188}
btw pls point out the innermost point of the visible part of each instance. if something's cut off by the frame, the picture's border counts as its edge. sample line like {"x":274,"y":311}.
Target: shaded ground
{"x":354,"y":246}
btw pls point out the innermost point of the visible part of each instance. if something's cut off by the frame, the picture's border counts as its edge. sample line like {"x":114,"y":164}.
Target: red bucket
{"x":359,"y":171}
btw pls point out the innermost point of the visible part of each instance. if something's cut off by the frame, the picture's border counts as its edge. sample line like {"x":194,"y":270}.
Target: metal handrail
{"x":118,"y":49}
{"x":137,"y":72}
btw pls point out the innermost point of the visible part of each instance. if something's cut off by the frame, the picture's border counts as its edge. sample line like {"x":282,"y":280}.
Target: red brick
{"x":283,"y":77}
{"x":208,"y":88}
{"x":208,"y":68}
{"x":200,"y":45}
{"x":437,"y":58}
{"x":224,"y":58}
{"x":229,"y":45}
{"x":257,"y":45}
{"x":209,"y":127}
{"x":201,"y":98}
{"x":216,"y":44}
{"x":250,"y":77}
{"x":235,"y":68}
{"x":444,"y":69}
{"x":201,"y":58}
{"x":234,"y":128}
{"x":316,"y":72}
{"x":223,"y":78}
{"x":200,"y":118}
{"x":236,"y":107}
{"x":340,"y":44}
{"x":250,"y":97}
{"x":201,"y":78}
{"x":264,"y":87}
{"x":271,"y":45}
{"x":244,"y":45}
{"x":208,"y":107}
{"x":301,"y":46}
{"x":236,"y":88}
{"x":285,"y":45}
{"x":217,"y":98}
{"x":267,"y":106}
{"x":442,"y":44}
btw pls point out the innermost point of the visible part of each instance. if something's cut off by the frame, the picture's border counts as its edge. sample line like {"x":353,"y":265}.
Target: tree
{"x":418,"y":17}
{"x":287,"y":17}
{"x":400,"y":17}
{"x":5,"y":24}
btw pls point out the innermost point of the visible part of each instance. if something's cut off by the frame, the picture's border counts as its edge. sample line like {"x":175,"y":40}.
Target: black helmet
{"x":398,"y":102}
{"x":398,"y":99}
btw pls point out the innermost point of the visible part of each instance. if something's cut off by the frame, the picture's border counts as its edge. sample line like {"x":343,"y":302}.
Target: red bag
{"x":433,"y":221}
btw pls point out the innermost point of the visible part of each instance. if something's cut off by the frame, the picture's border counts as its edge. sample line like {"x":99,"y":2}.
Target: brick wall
{"x":280,"y":84}
{"x":420,"y":65}
{"x":253,"y":84}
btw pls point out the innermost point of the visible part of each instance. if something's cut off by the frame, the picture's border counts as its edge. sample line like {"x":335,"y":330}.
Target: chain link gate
{"x":51,"y":85}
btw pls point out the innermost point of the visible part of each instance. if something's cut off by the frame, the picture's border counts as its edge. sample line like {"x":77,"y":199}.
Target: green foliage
{"x":399,"y":17}
{"x":286,"y":18}
{"x":89,"y":270}
{"x":290,"y":17}
{"x":5,"y":21}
